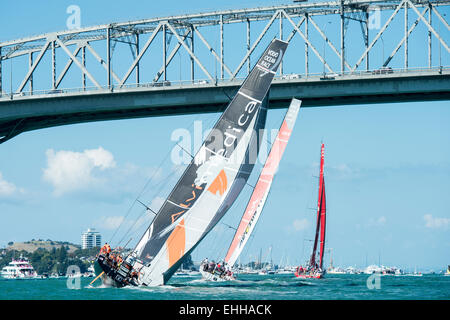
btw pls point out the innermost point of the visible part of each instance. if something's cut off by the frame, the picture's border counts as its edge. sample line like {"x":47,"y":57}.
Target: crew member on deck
{"x":205,"y":264}
{"x":108,"y":249}
{"x":105,"y":250}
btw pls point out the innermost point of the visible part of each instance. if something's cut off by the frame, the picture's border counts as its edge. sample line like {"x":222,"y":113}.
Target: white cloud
{"x":381,"y":221}
{"x":101,"y":158}
{"x":143,"y":218}
{"x":109,"y":223}
{"x":8,"y":188}
{"x":343,"y":168}
{"x":156,"y":204}
{"x":146,"y":218}
{"x":68,"y":170}
{"x":435,"y":223}
{"x":343,"y":172}
{"x":300,"y":224}
{"x":141,"y":221}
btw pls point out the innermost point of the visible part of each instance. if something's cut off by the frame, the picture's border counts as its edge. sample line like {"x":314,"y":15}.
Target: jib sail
{"x":262,"y":188}
{"x":213,"y":179}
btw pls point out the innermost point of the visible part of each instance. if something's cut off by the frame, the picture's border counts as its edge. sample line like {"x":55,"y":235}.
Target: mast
{"x":260,"y":259}
{"x":322,"y":224}
{"x":271,"y":261}
{"x":331,"y":259}
{"x":320,"y":221}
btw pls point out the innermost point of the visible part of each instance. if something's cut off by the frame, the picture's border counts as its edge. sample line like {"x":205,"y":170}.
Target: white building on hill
{"x":90,"y":239}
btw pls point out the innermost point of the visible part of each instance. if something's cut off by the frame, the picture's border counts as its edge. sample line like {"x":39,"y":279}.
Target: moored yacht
{"x":335,"y":270}
{"x":373,"y":269}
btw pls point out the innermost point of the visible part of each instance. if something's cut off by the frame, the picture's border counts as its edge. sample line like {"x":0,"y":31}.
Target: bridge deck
{"x":21,"y":113}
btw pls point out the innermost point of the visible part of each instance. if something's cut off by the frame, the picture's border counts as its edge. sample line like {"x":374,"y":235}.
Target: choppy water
{"x":247,"y":287}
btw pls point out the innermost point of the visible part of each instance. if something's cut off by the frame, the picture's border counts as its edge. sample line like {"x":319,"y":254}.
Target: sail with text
{"x":262,"y":187}
{"x":214,"y":178}
{"x":321,"y":215}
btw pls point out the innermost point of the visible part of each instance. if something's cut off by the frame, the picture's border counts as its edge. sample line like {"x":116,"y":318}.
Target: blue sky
{"x":387,"y":166}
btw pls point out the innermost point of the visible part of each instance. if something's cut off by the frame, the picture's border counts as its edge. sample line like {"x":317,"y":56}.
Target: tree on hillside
{"x":61,"y":254}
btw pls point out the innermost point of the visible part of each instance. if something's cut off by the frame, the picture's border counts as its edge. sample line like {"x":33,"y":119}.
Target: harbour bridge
{"x":195,"y":63}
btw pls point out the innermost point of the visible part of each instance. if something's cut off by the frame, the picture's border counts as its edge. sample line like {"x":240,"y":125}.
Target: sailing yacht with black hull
{"x":208,"y":187}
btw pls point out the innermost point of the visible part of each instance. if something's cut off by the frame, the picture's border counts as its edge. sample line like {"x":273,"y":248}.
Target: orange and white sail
{"x":262,"y":188}
{"x":214,"y":178}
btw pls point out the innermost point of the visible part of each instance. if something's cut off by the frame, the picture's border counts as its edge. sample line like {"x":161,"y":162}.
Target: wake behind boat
{"x":208,"y":187}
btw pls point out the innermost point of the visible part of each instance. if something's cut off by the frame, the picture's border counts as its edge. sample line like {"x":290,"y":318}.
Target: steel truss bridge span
{"x":89,"y":74}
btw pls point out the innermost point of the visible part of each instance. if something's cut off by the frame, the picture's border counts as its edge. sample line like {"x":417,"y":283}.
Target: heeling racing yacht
{"x":206,"y":190}
{"x":19,"y":269}
{"x":255,"y":205}
{"x":314,"y":269}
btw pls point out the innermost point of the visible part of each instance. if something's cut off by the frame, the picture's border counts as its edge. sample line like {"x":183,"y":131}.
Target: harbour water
{"x":247,"y":287}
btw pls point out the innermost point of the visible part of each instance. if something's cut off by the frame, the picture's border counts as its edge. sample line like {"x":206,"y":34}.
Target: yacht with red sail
{"x":314,"y":269}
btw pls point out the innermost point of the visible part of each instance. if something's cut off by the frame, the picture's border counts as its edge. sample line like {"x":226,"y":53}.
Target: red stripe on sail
{"x":312,"y":261}
{"x":265,"y":177}
{"x":322,"y":224}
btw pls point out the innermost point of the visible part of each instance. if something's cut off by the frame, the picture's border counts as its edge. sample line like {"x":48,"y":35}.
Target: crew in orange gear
{"x":106,"y":249}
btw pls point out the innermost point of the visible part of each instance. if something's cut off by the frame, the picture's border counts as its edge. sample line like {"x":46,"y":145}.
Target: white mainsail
{"x":262,"y":188}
